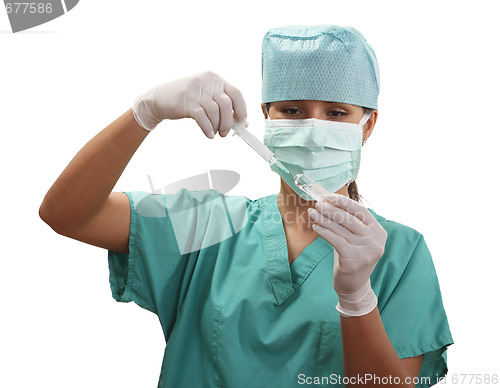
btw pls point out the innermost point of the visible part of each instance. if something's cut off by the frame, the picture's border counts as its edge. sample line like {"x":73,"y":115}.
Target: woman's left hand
{"x":359,"y":242}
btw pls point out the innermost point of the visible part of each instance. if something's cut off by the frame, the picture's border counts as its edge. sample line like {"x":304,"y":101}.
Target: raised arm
{"x":81,"y":204}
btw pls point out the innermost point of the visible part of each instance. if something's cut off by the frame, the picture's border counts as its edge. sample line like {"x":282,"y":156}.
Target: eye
{"x":337,"y":113}
{"x":290,"y":111}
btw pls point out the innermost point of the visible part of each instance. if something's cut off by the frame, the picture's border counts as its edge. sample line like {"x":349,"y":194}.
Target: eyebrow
{"x":328,"y":104}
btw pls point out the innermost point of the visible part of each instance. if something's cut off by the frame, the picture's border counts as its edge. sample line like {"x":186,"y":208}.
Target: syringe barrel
{"x":255,"y":143}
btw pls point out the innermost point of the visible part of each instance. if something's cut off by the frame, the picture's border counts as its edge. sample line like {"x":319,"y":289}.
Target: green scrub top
{"x":214,"y":269}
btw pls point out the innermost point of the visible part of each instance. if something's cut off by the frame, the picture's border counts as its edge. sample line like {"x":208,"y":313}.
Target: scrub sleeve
{"x":410,"y":302}
{"x":154,"y":274}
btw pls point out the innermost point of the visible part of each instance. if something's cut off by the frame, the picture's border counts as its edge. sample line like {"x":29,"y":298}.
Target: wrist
{"x":143,"y":114}
{"x":358,"y":303}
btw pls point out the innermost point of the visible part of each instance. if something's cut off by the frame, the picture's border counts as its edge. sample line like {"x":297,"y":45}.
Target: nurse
{"x":281,"y":290}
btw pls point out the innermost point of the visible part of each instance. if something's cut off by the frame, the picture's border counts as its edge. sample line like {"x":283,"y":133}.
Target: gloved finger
{"x":340,"y":244}
{"x":239,"y":105}
{"x":225,"y":109}
{"x":245,"y":123}
{"x":201,"y":118}
{"x":352,"y":207}
{"x":194,"y":110}
{"x":207,"y":102}
{"x":212,"y":112}
{"x":325,"y":222}
{"x":340,"y":216}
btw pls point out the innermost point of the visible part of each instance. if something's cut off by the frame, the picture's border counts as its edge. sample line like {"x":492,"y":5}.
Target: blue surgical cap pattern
{"x":325,"y":63}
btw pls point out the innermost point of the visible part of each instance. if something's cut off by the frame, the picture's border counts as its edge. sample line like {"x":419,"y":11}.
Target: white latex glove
{"x":205,"y":97}
{"x":359,"y":242}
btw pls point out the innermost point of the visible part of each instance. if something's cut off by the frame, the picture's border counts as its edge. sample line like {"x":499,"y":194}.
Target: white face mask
{"x":328,"y":152}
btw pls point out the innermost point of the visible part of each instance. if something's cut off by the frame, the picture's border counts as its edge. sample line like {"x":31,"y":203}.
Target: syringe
{"x":306,"y":184}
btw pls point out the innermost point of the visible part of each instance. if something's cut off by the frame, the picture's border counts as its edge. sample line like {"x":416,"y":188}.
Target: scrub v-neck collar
{"x":284,"y":277}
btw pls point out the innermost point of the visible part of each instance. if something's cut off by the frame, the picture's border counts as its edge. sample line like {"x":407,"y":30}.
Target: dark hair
{"x":352,"y":189}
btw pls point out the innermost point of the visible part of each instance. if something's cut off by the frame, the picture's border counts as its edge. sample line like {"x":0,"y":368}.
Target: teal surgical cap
{"x":325,"y":63}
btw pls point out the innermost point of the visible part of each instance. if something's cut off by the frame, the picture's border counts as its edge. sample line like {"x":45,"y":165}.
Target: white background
{"x":431,"y":162}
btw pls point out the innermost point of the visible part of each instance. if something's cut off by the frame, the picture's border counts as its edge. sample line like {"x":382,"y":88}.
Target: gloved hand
{"x":205,"y":97}
{"x":359,"y":242}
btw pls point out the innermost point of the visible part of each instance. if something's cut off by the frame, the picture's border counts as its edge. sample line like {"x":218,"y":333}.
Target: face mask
{"x":328,"y":152}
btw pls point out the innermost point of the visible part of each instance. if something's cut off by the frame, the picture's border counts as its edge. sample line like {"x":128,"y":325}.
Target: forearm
{"x":367,"y":351}
{"x":85,"y":184}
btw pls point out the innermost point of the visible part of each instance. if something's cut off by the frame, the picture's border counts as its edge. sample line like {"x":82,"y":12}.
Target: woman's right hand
{"x":205,"y":97}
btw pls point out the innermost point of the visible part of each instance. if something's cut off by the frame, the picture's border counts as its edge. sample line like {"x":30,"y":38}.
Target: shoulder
{"x":192,"y":220}
{"x":406,"y":259}
{"x":196,"y":209}
{"x":151,"y":203}
{"x":398,"y":232}
{"x":405,"y":248}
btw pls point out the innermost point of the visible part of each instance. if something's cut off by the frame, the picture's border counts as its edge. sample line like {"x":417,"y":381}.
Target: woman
{"x":244,"y":289}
